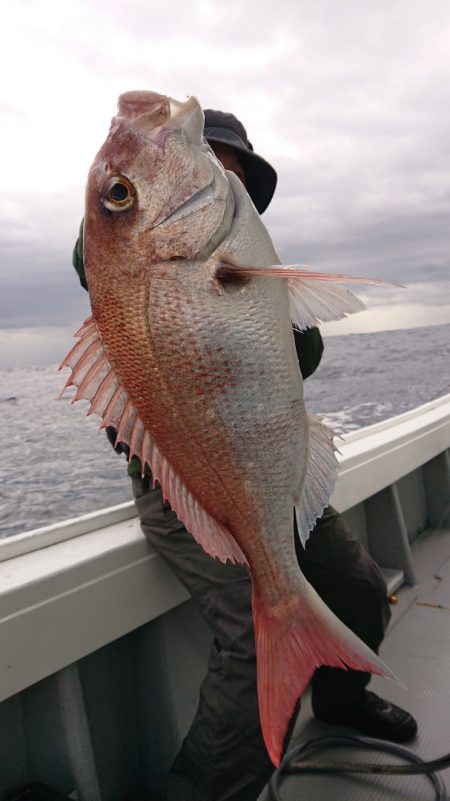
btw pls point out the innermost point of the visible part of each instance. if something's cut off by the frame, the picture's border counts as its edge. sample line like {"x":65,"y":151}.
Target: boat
{"x":102,"y":652}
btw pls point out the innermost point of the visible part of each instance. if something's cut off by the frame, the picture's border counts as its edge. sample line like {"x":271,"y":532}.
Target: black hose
{"x":293,"y":762}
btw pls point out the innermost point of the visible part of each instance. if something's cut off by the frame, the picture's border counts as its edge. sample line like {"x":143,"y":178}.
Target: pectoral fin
{"x":313,"y":297}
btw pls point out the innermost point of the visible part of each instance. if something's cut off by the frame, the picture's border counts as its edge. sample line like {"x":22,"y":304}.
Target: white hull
{"x":102,"y":653}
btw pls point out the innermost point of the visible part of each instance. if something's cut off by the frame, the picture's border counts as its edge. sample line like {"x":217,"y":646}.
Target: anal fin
{"x":320,"y":477}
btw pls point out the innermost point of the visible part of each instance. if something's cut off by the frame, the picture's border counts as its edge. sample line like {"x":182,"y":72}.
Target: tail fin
{"x":292,"y":640}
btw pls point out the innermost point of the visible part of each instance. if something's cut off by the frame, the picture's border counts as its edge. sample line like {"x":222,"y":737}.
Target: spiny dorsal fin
{"x":97,"y":382}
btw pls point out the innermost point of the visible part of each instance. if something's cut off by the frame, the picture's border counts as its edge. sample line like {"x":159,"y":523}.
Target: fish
{"x":189,"y":353}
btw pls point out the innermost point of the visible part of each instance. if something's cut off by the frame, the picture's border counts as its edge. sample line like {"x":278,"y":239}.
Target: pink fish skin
{"x":189,"y":353}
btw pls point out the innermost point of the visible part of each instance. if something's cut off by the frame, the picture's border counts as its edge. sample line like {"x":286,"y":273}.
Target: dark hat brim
{"x":260,"y":176}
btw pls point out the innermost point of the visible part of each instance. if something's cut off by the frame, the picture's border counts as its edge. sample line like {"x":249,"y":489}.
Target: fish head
{"x":156,"y":191}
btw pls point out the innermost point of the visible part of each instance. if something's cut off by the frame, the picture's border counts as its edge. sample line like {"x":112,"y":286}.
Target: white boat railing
{"x":68,"y":589}
{"x":375,"y":457}
{"x":370,"y":458}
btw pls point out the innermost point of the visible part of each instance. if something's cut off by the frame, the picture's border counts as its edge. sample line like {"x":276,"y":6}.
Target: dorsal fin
{"x":97,"y":382}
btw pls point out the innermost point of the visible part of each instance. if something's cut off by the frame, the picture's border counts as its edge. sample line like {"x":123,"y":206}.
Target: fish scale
{"x":171,"y":395}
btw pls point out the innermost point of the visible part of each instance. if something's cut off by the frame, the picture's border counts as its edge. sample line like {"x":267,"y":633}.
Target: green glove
{"x":309,"y":346}
{"x":77,"y":257}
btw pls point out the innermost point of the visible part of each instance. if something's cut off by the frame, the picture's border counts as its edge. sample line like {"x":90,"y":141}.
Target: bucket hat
{"x":261,"y":178}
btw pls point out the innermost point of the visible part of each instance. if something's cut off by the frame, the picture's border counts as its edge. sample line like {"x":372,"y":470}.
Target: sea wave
{"x":57,"y":466}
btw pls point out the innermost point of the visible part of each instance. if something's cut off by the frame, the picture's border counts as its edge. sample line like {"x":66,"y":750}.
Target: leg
{"x":350,"y":583}
{"x":223,"y":756}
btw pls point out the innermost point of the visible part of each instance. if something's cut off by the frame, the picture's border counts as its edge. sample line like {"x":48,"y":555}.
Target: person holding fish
{"x":206,"y":400}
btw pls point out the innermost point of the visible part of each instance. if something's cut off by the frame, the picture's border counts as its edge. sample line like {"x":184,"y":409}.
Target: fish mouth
{"x":156,"y":115}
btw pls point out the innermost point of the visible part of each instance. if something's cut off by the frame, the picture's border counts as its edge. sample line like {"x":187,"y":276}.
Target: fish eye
{"x":118,"y":193}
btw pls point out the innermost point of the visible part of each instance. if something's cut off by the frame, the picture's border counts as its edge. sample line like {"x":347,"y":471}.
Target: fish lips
{"x":156,"y":115}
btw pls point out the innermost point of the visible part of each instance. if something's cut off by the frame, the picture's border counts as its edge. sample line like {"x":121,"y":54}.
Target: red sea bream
{"x":189,"y":353}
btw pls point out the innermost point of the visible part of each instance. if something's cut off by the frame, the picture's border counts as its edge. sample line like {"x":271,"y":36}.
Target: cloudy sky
{"x":349,"y":99}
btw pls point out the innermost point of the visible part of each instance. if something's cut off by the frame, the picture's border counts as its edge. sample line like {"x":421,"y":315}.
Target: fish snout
{"x":152,"y":113}
{"x":151,"y":105}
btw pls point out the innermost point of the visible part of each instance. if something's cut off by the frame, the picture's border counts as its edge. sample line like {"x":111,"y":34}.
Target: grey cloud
{"x":40,"y":287}
{"x":57,"y":304}
{"x":360,"y":92}
{"x":395,"y":247}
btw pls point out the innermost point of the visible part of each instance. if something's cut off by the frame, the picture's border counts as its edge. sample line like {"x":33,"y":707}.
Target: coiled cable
{"x":294,"y":762}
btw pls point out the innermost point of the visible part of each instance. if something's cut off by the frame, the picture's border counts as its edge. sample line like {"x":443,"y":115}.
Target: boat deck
{"x":417,"y":648}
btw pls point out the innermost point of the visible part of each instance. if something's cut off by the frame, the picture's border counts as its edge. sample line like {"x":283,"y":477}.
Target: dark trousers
{"x":223,"y":757}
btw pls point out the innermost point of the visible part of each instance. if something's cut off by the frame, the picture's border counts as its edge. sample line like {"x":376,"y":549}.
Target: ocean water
{"x":56,"y":466}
